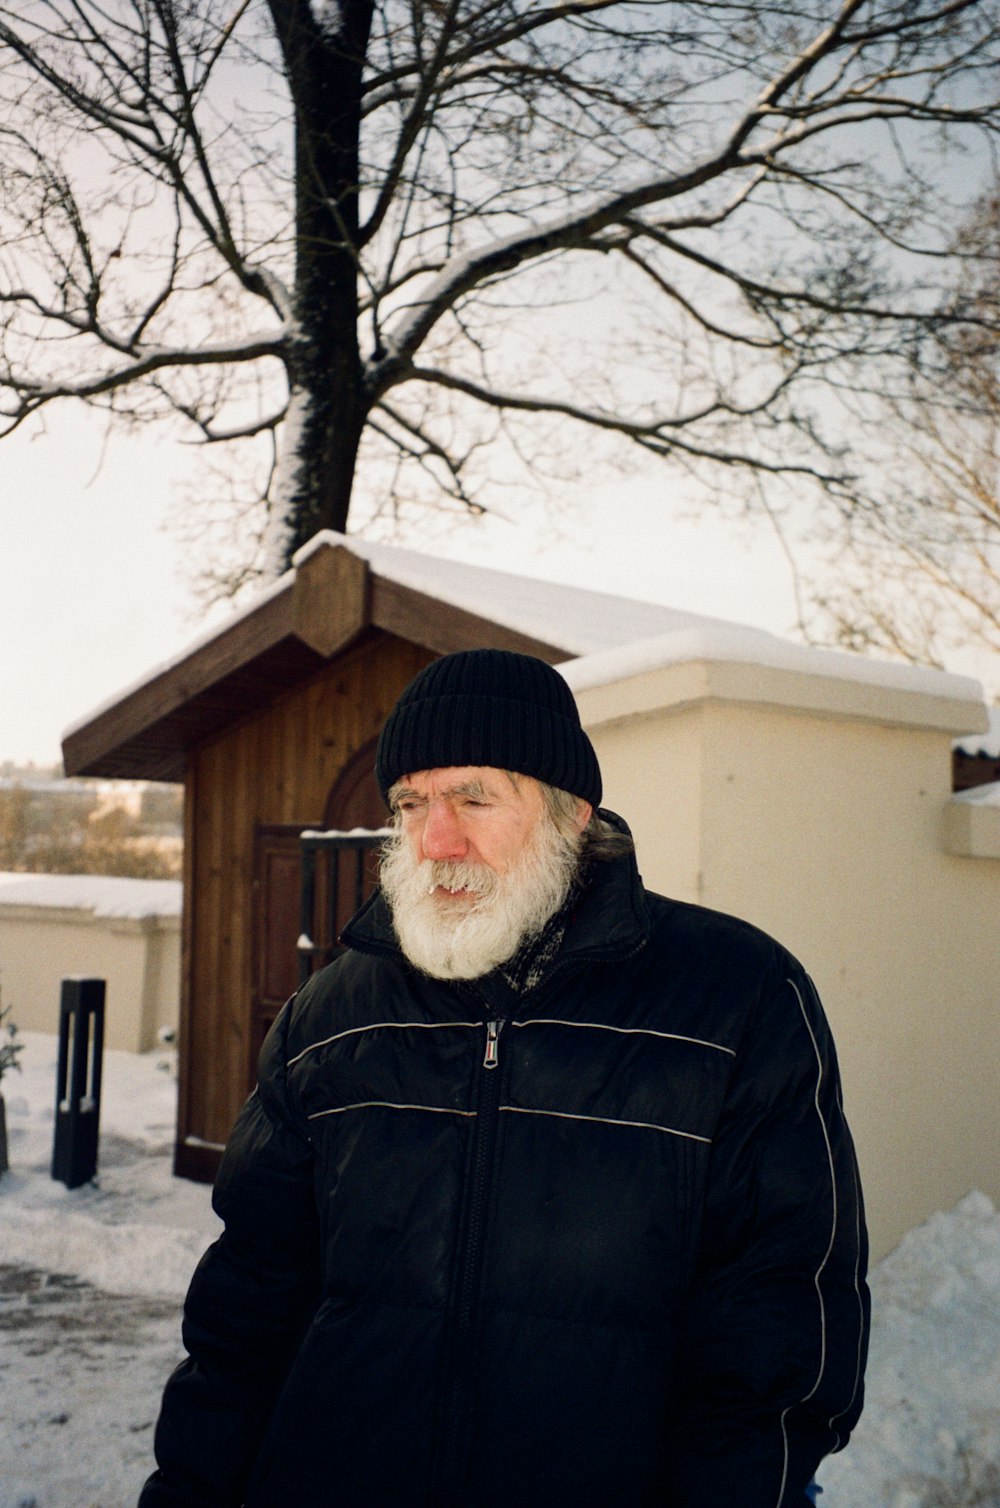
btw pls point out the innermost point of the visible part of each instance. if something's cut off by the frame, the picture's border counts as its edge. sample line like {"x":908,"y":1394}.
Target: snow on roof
{"x":103,"y":895}
{"x":987,"y":743}
{"x":621,"y":636}
{"x":613,"y":636}
{"x":571,"y":617}
{"x":716,"y":641}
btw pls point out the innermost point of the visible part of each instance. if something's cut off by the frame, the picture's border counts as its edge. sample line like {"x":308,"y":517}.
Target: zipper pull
{"x":492,"y":1044}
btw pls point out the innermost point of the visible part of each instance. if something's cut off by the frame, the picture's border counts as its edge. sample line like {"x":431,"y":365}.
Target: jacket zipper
{"x":491,"y":1058}
{"x":457,"y":1417}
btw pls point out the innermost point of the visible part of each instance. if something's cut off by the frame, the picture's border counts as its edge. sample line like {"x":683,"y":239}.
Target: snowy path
{"x":91,"y":1283}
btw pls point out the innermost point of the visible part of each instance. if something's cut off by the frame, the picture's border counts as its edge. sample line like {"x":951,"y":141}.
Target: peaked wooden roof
{"x":338,"y":591}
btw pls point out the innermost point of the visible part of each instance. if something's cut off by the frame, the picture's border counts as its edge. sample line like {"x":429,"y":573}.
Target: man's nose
{"x":442,"y":837}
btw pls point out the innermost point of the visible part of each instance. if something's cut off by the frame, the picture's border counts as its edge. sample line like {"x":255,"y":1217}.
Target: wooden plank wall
{"x":275,"y":766}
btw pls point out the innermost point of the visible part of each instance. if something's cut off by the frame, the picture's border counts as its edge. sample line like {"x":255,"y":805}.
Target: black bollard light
{"x":78,"y":1081}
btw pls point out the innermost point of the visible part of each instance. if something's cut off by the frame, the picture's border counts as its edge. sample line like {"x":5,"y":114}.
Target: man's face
{"x":477,"y":866}
{"x":468,"y":814}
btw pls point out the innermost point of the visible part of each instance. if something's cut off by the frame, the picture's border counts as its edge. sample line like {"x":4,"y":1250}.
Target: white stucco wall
{"x":127,"y":932}
{"x":820,"y":809}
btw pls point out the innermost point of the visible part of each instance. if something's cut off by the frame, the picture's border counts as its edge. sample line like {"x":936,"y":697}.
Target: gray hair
{"x":599,"y":839}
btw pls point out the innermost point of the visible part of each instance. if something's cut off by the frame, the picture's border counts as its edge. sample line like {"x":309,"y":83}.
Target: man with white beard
{"x":460,"y":907}
{"x":545,"y":1195}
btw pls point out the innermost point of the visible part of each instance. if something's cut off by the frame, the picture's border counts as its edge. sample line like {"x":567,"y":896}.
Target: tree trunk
{"x":326,"y":376}
{"x":332,"y":406}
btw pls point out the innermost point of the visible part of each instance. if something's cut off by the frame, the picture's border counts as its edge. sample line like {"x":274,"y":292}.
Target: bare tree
{"x":917,"y":571}
{"x":414,"y":240}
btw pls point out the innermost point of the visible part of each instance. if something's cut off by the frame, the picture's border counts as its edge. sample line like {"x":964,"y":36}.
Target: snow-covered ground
{"x":91,"y":1282}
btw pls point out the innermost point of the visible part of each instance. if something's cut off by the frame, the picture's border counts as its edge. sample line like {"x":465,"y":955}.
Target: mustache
{"x":451,"y":874}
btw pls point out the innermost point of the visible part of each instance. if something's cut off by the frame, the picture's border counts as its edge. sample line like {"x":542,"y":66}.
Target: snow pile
{"x":91,"y":1283}
{"x":930,"y":1434}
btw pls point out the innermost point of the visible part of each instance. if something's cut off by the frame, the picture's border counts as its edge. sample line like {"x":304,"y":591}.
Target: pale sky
{"x":93,"y":592}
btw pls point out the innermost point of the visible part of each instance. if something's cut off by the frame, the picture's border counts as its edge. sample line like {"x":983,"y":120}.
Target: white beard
{"x":460,"y":939}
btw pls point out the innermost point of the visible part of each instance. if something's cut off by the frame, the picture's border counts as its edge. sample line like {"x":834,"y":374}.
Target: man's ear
{"x":584,"y":812}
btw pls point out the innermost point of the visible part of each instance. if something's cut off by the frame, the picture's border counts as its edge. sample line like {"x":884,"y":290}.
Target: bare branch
{"x":662,"y":436}
{"x":717,"y":231}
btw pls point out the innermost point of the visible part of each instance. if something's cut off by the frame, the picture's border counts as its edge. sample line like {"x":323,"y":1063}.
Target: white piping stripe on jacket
{"x":602,"y":1120}
{"x":389,"y":1105}
{"x":605,"y":1120}
{"x":857,"y":1294}
{"x":375,"y":1026}
{"x":861,"y":1311}
{"x":829,"y":1247}
{"x":625,"y":1031}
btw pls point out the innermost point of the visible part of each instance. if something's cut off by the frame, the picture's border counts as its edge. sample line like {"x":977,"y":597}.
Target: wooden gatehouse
{"x":270,"y":722}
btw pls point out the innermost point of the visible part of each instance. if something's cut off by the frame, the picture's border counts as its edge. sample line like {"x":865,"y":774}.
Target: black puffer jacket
{"x":622,"y":1267}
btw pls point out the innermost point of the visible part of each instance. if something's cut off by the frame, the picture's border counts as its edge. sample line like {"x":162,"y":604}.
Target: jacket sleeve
{"x":776,"y":1330}
{"x":250,"y":1297}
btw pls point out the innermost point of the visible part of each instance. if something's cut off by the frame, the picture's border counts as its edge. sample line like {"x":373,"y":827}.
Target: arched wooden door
{"x":354,"y":801}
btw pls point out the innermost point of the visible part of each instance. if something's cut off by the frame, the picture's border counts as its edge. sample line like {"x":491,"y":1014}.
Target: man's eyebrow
{"x":474,"y":788}
{"x":400,"y":792}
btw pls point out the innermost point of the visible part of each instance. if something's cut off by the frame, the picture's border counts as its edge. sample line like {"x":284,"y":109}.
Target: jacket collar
{"x":609,"y":921}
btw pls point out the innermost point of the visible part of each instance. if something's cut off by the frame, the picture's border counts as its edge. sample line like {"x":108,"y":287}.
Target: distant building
{"x":51,"y":825}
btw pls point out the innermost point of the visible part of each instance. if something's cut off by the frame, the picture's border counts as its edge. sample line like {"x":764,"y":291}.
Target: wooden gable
{"x":329,"y":602}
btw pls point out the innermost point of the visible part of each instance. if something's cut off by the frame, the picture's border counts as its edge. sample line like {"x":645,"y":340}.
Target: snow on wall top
{"x":103,"y":895}
{"x":981,"y":795}
{"x":754,"y":646}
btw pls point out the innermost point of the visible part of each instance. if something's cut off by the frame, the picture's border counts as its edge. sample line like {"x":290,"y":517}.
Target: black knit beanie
{"x":489,"y":707}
